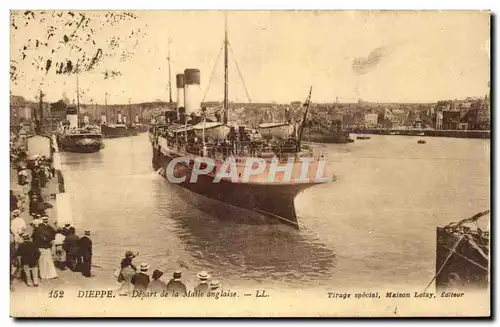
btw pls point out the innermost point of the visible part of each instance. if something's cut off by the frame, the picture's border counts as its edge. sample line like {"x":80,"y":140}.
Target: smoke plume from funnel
{"x":363,"y":65}
{"x":65,"y":98}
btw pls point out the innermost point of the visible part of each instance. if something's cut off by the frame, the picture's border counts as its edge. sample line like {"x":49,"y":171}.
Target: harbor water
{"x":375,"y":225}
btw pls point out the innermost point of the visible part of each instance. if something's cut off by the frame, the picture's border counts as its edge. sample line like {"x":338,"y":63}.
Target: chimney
{"x":192,"y":90}
{"x":72,"y":116}
{"x":179,"y":78}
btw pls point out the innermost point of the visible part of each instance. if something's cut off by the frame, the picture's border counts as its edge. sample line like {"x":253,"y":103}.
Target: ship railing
{"x":223,"y":150}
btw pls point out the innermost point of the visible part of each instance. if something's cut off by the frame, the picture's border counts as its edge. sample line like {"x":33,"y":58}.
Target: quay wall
{"x":471,"y":134}
{"x":62,"y":198}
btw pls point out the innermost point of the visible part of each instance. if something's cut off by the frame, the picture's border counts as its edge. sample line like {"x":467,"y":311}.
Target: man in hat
{"x":65,"y":229}
{"x":202,"y":287}
{"x":141,"y":279}
{"x":85,"y":246}
{"x":37,"y":220}
{"x":29,"y":254}
{"x":45,"y":222}
{"x":17,"y":226}
{"x":175,"y":284}
{"x":157,"y":285}
{"x":70,"y":245}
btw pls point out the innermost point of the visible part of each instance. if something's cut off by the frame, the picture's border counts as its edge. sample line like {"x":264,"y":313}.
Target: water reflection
{"x":214,"y":235}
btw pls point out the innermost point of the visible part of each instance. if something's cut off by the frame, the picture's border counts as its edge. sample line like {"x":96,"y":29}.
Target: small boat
{"x":276,"y":130}
{"x":421,"y":142}
{"x":350,"y":140}
{"x":362,"y":137}
{"x":212,"y":130}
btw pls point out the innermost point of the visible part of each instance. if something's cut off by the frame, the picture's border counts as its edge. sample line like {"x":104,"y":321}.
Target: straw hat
{"x":177,"y":274}
{"x":45,"y":219}
{"x":144,"y":266}
{"x":203,"y":275}
{"x":215,"y":284}
{"x":87,"y":232}
{"x":16,"y":212}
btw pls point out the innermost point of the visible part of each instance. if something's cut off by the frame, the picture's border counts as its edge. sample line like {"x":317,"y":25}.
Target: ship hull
{"x":81,"y":148}
{"x":274,"y":202}
{"x":80,"y":145}
{"x":112,"y":132}
{"x":70,"y":146}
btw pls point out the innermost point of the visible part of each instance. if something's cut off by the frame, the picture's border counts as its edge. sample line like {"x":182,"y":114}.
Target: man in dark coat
{"x":141,"y":279}
{"x":202,"y":287}
{"x":70,"y":245}
{"x":50,"y":230}
{"x":29,"y":254}
{"x":65,"y":229}
{"x":175,"y":284}
{"x":44,"y":234}
{"x":85,"y":246}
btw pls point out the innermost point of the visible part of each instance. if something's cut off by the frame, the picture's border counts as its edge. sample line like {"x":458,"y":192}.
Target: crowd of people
{"x":138,"y":279}
{"x":38,"y":249}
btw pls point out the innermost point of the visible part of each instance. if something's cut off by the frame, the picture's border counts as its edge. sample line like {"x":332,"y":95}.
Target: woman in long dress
{"x":43,"y":237}
{"x":127,"y":272}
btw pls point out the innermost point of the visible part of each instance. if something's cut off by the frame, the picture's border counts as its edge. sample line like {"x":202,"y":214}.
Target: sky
{"x":382,"y":56}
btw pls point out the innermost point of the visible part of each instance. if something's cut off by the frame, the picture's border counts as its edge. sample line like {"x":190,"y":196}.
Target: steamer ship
{"x":118,"y":129}
{"x":73,"y":138}
{"x":189,"y":134}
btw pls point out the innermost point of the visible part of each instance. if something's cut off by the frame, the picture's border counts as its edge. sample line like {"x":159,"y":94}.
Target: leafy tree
{"x":69,"y":42}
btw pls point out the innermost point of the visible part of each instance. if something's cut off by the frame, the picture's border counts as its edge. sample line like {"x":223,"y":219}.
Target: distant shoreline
{"x":470,"y":134}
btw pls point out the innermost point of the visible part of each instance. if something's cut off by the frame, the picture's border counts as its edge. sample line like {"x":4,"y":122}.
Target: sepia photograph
{"x":250,"y":163}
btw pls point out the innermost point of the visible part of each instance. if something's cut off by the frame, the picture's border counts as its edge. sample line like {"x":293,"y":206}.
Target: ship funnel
{"x":119,"y":120}
{"x":179,"y":79}
{"x":137,"y":119}
{"x":86,"y":119}
{"x":192,"y":90}
{"x":124,"y":119}
{"x":72,"y":116}
{"x":103,"y":119}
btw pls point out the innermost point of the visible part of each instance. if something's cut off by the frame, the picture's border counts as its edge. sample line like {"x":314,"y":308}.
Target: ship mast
{"x":226,"y":73}
{"x":77,"y":96}
{"x":306,"y":105}
{"x":169,"y":74}
{"x":106,"y":106}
